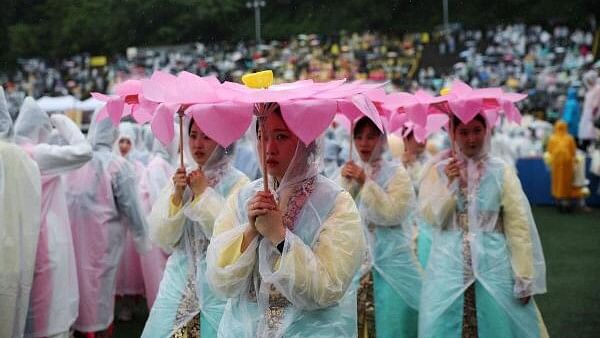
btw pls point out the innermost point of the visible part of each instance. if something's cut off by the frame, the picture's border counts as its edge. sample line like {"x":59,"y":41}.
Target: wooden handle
{"x":263,"y":159}
{"x":181,"y":165}
{"x":351,"y":140}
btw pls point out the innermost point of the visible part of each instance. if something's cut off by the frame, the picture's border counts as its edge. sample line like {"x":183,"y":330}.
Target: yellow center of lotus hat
{"x":258,"y":80}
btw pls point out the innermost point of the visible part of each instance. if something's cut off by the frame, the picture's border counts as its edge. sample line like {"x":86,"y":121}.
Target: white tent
{"x":90,"y":104}
{"x":54,"y":104}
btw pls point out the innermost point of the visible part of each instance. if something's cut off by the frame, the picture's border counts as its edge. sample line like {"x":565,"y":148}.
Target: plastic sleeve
{"x":317,"y":277}
{"x":436,"y":200}
{"x":517,"y":231}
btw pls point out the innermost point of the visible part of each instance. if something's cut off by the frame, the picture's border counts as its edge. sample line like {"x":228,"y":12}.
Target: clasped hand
{"x":265,"y":218}
{"x":195,"y":180}
{"x":352,"y":171}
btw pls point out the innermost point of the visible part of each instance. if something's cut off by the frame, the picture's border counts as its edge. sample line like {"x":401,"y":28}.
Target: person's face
{"x":470,"y":137}
{"x":411,"y":145}
{"x":124,"y":146}
{"x":280,"y":146}
{"x":366,"y":141}
{"x":201,"y":146}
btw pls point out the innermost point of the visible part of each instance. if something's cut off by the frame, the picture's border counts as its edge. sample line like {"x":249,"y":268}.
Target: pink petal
{"x":212,"y":80}
{"x":417,"y":113}
{"x":141,"y":116}
{"x":153,"y":91}
{"x":129,"y":87}
{"x":377,"y":95}
{"x":514,"y":97}
{"x":228,"y":92}
{"x":128,"y":109}
{"x":325,"y":86}
{"x":223,"y":122}
{"x":483,"y":93}
{"x":435,"y":122}
{"x":268,"y":95}
{"x":343,"y":121}
{"x":491,"y":117}
{"x":397,"y":100}
{"x":193,"y":89}
{"x":423,"y":95}
{"x":511,"y":112}
{"x":162,"y":122}
{"x":367,"y":107}
{"x":397,"y":122}
{"x":490,"y":104}
{"x":114,"y":108}
{"x":160,"y":88}
{"x":466,"y":109}
{"x":308,"y":118}
{"x":420,"y":133}
{"x":460,"y":88}
{"x":144,"y":111}
{"x":348,"y":110}
{"x":293,"y":85}
{"x":163,"y":78}
{"x":102,"y":114}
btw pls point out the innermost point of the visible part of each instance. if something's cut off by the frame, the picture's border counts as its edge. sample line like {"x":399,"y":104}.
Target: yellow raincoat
{"x":561,"y":150}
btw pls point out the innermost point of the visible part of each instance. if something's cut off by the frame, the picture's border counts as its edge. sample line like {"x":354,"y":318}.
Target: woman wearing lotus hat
{"x":486,"y":261}
{"x":286,"y":258}
{"x":181,"y":221}
{"x":390,"y":280}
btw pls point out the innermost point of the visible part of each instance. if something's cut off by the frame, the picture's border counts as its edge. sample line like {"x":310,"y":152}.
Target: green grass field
{"x":571,"y":242}
{"x":571,"y":308}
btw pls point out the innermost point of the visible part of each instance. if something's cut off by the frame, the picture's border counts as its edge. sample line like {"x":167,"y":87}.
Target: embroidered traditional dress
{"x":185,"y":306}
{"x":485,"y":254}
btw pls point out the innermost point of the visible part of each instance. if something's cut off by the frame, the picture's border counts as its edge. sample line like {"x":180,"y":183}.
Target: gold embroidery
{"x":190,"y":330}
{"x":366,"y":306}
{"x":276,"y":311}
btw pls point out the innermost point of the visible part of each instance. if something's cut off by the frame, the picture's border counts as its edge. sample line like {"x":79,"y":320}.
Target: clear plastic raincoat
{"x":306,"y":290}
{"x":54,"y":302}
{"x":158,"y":176}
{"x":99,"y":194}
{"x":187,"y":231}
{"x":20,"y":210}
{"x":386,"y":202}
{"x":130,"y":278}
{"x":486,"y":253}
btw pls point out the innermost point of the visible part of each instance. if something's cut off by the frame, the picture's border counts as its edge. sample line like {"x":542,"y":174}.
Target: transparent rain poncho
{"x":6,"y":123}
{"x":158,"y":175}
{"x":141,"y":153}
{"x":306,"y":290}
{"x":20,"y":208}
{"x":54,"y":300}
{"x":160,"y":168}
{"x":148,"y":137}
{"x":99,"y":194}
{"x":386,"y":202}
{"x":331,"y":157}
{"x":130,"y":275}
{"x":187,"y":231}
{"x":422,"y":229}
{"x":484,"y":236}
{"x":245,"y":157}
{"x":129,"y":131}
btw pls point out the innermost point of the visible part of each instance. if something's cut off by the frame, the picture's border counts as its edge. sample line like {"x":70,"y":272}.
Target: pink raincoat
{"x":100,"y":194}
{"x":54,"y":299}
